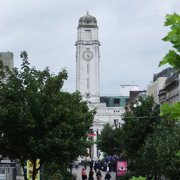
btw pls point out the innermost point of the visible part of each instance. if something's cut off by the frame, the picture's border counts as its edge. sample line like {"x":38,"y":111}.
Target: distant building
{"x":168,"y":72}
{"x":125,"y":89}
{"x":7,"y":59}
{"x":170,"y":92}
{"x":154,"y":88}
{"x":135,"y":95}
{"x":109,"y":109}
{"x":159,"y":80}
{"x":165,"y":86}
{"x":114,"y":101}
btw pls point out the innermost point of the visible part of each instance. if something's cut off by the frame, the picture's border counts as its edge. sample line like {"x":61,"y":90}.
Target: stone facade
{"x":154,"y":88}
{"x":170,"y":92}
{"x":125,"y":89}
{"x":87,"y":79}
{"x":87,"y":58}
{"x":165,"y":87}
{"x":7,"y":59}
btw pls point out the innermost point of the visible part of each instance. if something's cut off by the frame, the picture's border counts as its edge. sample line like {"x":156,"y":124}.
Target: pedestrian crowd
{"x":96,"y":172}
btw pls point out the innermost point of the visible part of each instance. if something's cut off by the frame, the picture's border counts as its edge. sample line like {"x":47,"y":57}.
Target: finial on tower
{"x":87,"y":12}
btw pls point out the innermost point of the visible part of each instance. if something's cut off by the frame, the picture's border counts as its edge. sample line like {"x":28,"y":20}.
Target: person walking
{"x":83,"y":174}
{"x":107,"y":168}
{"x":91,"y":164}
{"x":70,"y":167}
{"x":91,"y":173}
{"x":95,"y":166}
{"x":108,"y":176}
{"x":76,"y":164}
{"x":98,"y":175}
{"x":85,"y":164}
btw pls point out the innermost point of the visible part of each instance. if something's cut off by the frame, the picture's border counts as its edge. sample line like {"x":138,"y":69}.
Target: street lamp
{"x":116,"y":123}
{"x":87,"y":97}
{"x":97,"y":134}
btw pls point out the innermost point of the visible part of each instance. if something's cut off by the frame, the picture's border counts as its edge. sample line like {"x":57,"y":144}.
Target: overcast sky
{"x":130,"y":33}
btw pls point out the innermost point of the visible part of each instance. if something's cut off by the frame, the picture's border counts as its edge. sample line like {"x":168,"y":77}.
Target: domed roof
{"x":87,"y":21}
{"x":87,"y":17}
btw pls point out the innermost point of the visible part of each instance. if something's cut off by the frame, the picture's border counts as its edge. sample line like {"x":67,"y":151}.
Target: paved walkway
{"x":78,"y":173}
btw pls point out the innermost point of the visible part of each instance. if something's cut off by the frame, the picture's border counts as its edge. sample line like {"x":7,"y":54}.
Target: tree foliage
{"x":110,"y":141}
{"x":139,"y":178}
{"x":38,"y":119}
{"x":173,"y":56}
{"x":172,"y":112}
{"x":152,"y":144}
{"x":163,"y":144}
{"x":138,"y":125}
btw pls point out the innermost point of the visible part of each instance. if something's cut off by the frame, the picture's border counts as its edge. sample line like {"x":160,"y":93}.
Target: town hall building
{"x":87,"y":80}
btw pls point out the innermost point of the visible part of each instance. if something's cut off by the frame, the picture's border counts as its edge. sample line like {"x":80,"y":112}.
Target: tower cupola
{"x":87,"y":21}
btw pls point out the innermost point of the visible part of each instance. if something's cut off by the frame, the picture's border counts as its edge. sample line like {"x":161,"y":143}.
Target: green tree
{"x":161,"y":148}
{"x":38,"y":119}
{"x":172,"y":58}
{"x":110,"y":141}
{"x":138,"y":125}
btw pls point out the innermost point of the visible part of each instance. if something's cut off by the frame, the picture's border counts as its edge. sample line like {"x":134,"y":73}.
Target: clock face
{"x":87,"y":55}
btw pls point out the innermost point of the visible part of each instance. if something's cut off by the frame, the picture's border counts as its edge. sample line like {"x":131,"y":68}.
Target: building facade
{"x":170,"y":92}
{"x":125,"y":89}
{"x":87,"y":79}
{"x":154,"y":88}
{"x":87,"y":58}
{"x":114,"y":101}
{"x":7,"y":59}
{"x":165,"y":87}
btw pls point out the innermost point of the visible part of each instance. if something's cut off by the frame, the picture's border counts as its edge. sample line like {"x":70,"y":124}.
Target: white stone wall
{"x":7,"y":58}
{"x":154,"y":88}
{"x":90,"y":70}
{"x":87,"y":72}
{"x":125,"y":89}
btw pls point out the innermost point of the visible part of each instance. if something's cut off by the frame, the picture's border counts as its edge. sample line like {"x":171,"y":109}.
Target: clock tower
{"x":87,"y":59}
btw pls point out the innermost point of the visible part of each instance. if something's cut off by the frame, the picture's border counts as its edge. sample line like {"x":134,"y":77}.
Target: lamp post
{"x":97,"y":134}
{"x":87,"y":97}
{"x":116,"y":123}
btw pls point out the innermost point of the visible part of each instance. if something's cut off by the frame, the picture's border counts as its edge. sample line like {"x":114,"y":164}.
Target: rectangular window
{"x":127,"y":100}
{"x":116,"y":101}
{"x":88,"y":35}
{"x":87,"y":68}
{"x":88,"y":83}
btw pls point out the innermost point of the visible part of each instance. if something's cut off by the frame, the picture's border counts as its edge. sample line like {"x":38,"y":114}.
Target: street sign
{"x":121,"y":168}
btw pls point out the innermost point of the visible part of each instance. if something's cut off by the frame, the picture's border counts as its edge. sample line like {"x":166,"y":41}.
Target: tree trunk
{"x":24,"y":170}
{"x":34,"y":169}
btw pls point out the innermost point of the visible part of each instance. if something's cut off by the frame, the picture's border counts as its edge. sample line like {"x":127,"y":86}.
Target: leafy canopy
{"x":161,"y":147}
{"x":110,"y":140}
{"x":139,"y":178}
{"x":138,"y":125}
{"x":173,"y":57}
{"x":38,"y":119}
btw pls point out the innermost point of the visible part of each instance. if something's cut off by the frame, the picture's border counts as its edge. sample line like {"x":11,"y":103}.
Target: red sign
{"x":121,"y":168}
{"x":91,"y":135}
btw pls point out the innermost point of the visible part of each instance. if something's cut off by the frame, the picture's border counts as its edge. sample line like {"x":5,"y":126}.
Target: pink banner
{"x":121,"y":168}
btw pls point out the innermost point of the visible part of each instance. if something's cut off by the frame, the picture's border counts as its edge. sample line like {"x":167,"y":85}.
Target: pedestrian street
{"x":77,"y":172}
